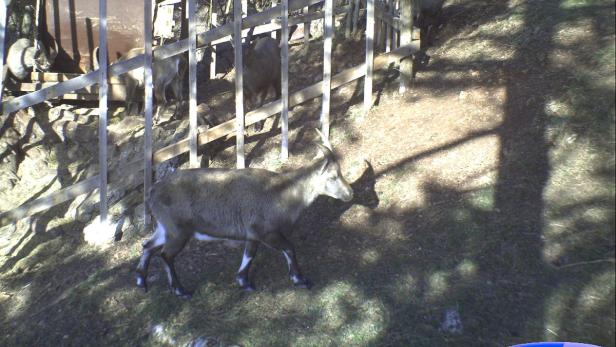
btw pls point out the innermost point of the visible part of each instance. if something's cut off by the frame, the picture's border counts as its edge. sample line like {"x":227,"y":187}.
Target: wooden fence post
{"x":3,"y":10}
{"x":273,"y":33}
{"x":369,"y":55}
{"x":102,"y":105}
{"x":327,"y":67}
{"x":389,"y":27}
{"x":192,"y":84}
{"x":213,"y":49}
{"x":284,"y":37}
{"x":239,"y":91}
{"x":395,"y":33}
{"x":356,"y":15}
{"x":147,"y":105}
{"x":406,"y":37}
{"x":306,"y":30}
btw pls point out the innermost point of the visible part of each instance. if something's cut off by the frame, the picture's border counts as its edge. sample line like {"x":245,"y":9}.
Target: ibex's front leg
{"x":250,"y":250}
{"x":150,"y":248}
{"x":279,"y":242}
{"x":170,"y":250}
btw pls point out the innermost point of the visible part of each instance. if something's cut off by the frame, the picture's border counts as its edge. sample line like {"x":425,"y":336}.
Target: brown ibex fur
{"x":255,"y":206}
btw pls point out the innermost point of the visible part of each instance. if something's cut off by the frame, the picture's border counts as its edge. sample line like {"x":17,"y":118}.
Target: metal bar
{"x":205,"y":136}
{"x":192,"y":84}
{"x":148,"y":101}
{"x":369,"y":55}
{"x":396,"y":33}
{"x":356,"y":16}
{"x":306,"y":29}
{"x":284,"y":73}
{"x":3,"y":10}
{"x":273,"y":33}
{"x":388,"y":31}
{"x":161,"y":53}
{"x":239,"y":92}
{"x":102,"y":105}
{"x":406,"y":37}
{"x":212,"y":50}
{"x":327,"y":67}
{"x":377,"y":31}
{"x":275,"y":24}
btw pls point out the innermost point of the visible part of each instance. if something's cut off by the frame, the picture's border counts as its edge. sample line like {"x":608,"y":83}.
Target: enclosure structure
{"x":140,"y":172}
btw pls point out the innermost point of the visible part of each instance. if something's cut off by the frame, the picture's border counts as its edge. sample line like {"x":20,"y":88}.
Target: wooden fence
{"x":141,"y":171}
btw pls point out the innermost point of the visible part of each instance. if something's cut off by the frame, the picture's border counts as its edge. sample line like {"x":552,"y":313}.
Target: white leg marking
{"x":168,"y":270}
{"x":245,"y":261}
{"x":288,"y":259}
{"x":205,"y":237}
{"x":160,"y":235}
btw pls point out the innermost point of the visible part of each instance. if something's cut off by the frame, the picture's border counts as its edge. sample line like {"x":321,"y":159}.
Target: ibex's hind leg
{"x":176,"y":88}
{"x":131,"y":86}
{"x":161,"y":101}
{"x":150,"y":247}
{"x":279,"y":242}
{"x":170,"y":250}
{"x":250,"y":250}
{"x":261,"y":95}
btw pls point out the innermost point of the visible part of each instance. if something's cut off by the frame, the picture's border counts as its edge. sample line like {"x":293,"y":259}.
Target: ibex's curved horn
{"x":95,"y":62}
{"x":53,"y":52}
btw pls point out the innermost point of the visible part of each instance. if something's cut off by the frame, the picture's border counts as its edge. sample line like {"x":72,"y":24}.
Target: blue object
{"x":555,"y":344}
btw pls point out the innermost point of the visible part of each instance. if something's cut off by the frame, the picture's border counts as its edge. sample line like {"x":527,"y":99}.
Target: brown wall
{"x":75,"y":25}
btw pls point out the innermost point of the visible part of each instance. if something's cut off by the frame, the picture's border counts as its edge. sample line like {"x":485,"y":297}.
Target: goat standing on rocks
{"x":256,"y":206}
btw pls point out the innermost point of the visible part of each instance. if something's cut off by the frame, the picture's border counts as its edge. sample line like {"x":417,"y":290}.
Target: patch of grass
{"x":571,"y":4}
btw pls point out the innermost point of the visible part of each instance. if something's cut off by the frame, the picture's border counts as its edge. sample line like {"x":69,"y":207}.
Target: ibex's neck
{"x":301,"y":189}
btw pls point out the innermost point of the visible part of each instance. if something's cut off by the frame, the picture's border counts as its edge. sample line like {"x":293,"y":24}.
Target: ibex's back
{"x":221,"y":203}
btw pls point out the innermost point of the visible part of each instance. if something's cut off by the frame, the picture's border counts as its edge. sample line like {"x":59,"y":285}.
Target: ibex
{"x":261,"y":60}
{"x":255,"y":206}
{"x":166,"y":72}
{"x":24,"y":55}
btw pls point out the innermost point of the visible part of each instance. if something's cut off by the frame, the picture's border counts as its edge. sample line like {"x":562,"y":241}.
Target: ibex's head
{"x":330,"y":181}
{"x":43,"y":60}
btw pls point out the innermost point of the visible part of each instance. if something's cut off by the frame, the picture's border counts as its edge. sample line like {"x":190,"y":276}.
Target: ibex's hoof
{"x":245,"y":284}
{"x":182,"y":293}
{"x":302,"y":283}
{"x":248,"y":288}
{"x":141,"y":283}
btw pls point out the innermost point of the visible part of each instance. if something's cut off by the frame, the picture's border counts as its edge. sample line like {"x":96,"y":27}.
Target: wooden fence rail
{"x":132,"y":172}
{"x":163,"y":52}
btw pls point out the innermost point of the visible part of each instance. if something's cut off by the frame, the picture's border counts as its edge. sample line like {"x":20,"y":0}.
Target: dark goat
{"x":427,"y":16}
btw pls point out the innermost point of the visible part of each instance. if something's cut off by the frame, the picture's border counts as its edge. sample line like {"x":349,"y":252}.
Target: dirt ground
{"x":485,"y":216}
